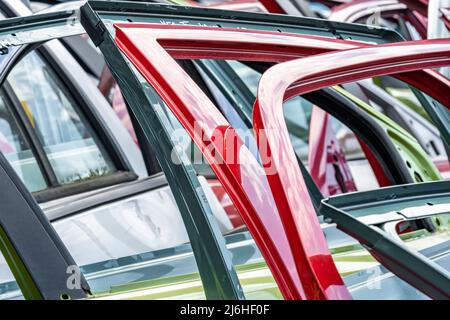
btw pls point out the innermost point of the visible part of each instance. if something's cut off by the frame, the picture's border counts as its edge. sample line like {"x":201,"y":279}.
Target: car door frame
{"x":115,"y":139}
{"x":179,"y":56}
{"x":97,"y":34}
{"x":54,"y":189}
{"x":350,"y":12}
{"x":62,"y":17}
{"x":303,"y":75}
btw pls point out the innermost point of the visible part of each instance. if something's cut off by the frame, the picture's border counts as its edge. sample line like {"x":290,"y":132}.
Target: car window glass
{"x":352,"y":259}
{"x":141,"y":242}
{"x":141,"y":239}
{"x":17,"y":150}
{"x":73,"y":150}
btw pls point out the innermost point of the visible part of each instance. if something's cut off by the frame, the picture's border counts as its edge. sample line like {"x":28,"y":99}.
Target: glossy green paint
{"x":419,"y":164}
{"x":425,"y":106}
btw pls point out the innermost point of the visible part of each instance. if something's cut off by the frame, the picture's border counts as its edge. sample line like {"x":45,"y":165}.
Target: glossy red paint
{"x":382,"y":179}
{"x":355,"y":10}
{"x":332,"y":175}
{"x":420,"y":6}
{"x":297,"y":77}
{"x":191,"y":3}
{"x":326,"y":159}
{"x":296,"y":256}
{"x":444,"y":167}
{"x":272,"y":6}
{"x":429,"y":81}
{"x":248,"y":188}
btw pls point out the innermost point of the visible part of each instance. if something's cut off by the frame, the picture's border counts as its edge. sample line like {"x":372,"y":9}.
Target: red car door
{"x":326,"y":159}
{"x":288,"y":233}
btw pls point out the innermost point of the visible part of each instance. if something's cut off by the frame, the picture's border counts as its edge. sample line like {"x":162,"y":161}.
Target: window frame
{"x":410,"y":62}
{"x":54,"y":189}
{"x":30,"y":135}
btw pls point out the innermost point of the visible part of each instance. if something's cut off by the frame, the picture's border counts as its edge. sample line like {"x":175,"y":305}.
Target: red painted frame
{"x":298,"y":257}
{"x":355,"y":10}
{"x":240,"y":5}
{"x":420,"y":6}
{"x":289,"y":79}
{"x":322,"y":145}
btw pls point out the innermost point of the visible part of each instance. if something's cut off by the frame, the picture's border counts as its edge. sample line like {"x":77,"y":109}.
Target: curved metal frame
{"x":301,"y":76}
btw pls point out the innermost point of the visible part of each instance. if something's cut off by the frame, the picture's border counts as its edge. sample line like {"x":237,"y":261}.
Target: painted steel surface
{"x":293,"y":78}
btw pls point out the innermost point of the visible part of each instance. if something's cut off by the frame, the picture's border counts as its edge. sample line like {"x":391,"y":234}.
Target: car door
{"x":332,"y":173}
{"x":411,"y":120}
{"x":412,"y":25}
{"x":407,"y":21}
{"x":389,"y":60}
